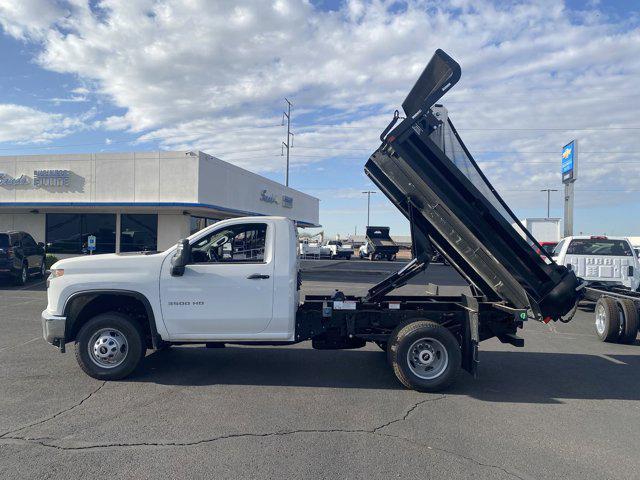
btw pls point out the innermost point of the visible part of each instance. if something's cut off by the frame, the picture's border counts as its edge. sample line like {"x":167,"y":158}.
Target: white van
{"x":609,"y":261}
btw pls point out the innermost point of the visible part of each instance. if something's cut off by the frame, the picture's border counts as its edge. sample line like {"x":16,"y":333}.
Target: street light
{"x":548,"y":190}
{"x":368,"y":193}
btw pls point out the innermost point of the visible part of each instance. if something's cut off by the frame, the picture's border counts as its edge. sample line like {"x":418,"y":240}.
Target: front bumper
{"x":53,"y":328}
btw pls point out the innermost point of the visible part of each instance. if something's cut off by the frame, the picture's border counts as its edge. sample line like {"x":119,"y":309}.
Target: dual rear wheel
{"x":616,"y":320}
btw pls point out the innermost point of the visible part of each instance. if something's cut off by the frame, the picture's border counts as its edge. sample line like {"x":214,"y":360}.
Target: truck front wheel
{"x":109,"y":346}
{"x":424,"y":355}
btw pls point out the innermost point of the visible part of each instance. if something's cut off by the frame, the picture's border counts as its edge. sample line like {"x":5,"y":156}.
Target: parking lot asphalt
{"x":564,"y":406}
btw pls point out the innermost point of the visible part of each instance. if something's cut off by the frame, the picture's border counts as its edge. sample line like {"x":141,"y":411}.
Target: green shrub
{"x":50,"y":260}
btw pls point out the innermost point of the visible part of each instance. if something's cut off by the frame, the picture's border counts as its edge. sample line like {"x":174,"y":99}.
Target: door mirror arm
{"x":181,"y":258}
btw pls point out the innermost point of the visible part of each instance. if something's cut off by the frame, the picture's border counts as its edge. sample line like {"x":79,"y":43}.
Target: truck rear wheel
{"x":630,"y":321}
{"x":424,"y":355}
{"x":109,"y":346}
{"x":607,"y":320}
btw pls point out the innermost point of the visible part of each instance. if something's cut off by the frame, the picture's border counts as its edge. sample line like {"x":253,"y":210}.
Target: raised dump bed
{"x":425,"y":169}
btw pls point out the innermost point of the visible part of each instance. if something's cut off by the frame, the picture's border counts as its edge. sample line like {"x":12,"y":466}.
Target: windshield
{"x":4,"y":240}
{"x":593,"y":246}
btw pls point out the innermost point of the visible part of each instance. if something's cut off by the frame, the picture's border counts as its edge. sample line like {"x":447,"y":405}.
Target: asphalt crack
{"x":55,"y":415}
{"x":376,"y":431}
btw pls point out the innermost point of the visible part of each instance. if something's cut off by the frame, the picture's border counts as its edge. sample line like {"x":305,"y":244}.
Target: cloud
{"x":21,"y":124}
{"x":212,"y":75}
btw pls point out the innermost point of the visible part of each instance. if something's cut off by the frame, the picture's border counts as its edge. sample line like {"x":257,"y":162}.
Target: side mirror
{"x":181,"y":258}
{"x":41,"y":245}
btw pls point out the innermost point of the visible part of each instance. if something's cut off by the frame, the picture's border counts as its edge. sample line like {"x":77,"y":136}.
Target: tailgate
{"x":600,"y":267}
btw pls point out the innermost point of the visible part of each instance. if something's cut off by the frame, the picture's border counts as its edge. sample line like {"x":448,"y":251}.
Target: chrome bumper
{"x":53,"y":328}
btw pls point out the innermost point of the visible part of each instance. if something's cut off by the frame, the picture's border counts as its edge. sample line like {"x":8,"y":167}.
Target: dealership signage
{"x":569,"y":161}
{"x":285,"y":201}
{"x":7,"y":181}
{"x":51,"y":178}
{"x":41,"y":179}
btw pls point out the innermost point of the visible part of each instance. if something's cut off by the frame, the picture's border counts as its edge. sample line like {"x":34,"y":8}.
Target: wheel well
{"x":84,"y":307}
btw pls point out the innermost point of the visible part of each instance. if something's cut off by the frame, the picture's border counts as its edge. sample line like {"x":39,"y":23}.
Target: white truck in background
{"x":600,"y":260}
{"x":339,"y":249}
{"x":543,"y":229}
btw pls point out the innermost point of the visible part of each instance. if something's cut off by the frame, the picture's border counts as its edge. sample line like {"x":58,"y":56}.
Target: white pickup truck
{"x":238,"y":281}
{"x":340,"y":250}
{"x":600,"y":260}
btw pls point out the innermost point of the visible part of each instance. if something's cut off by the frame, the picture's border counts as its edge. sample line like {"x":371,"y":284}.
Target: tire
{"x":23,"y":276}
{"x":424,"y":355}
{"x":99,"y":331}
{"x":43,"y":268}
{"x":630,"y":321}
{"x":607,"y":320}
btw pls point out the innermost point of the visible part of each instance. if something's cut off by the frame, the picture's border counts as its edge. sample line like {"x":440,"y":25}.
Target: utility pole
{"x":548,"y":190}
{"x":289,"y":143}
{"x":368,"y":193}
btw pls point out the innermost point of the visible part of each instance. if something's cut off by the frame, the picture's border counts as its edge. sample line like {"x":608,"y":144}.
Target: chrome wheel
{"x":43,"y":268}
{"x":108,"y":348}
{"x":600,"y":319}
{"x":427,"y":358}
{"x":24,"y":275}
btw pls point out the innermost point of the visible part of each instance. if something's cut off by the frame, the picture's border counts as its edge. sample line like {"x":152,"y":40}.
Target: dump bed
{"x":380,"y":240}
{"x":425,"y":169}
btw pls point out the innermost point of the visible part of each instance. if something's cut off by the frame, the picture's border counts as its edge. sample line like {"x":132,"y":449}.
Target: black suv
{"x":21,"y":256}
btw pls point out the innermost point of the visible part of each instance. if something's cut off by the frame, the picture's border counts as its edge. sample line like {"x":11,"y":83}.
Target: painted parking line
{"x":612,"y":360}
{"x":11,"y":347}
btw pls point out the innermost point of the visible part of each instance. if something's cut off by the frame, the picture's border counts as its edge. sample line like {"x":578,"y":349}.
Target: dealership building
{"x":134,"y":201}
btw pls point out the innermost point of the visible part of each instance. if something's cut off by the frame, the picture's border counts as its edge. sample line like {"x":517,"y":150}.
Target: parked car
{"x":21,"y":257}
{"x":548,"y":247}
{"x":600,"y":260}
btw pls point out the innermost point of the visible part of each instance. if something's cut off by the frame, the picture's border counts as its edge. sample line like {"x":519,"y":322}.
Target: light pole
{"x":548,"y":190}
{"x":368,"y":193}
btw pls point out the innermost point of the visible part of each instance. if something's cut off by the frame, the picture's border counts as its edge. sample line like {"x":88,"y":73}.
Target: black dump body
{"x":425,"y":169}
{"x":381,"y":241}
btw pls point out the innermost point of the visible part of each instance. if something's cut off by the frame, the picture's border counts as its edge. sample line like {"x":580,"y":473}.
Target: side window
{"x":28,"y":241}
{"x":234,"y":244}
{"x":15,"y":240}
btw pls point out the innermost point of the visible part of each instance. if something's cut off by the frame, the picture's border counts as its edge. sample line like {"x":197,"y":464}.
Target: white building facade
{"x":134,"y":201}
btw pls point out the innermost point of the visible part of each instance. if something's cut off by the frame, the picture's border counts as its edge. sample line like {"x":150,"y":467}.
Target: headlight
{"x":55,"y":273}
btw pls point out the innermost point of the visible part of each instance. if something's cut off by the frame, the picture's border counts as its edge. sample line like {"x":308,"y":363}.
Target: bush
{"x":50,"y":260}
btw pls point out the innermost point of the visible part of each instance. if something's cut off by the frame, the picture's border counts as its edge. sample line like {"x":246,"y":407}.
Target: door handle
{"x":257,"y":276}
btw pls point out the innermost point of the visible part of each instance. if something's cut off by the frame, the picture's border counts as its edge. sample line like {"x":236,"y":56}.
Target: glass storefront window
{"x":103,"y":226}
{"x":68,"y":232}
{"x":198,"y":223}
{"x":138,"y":232}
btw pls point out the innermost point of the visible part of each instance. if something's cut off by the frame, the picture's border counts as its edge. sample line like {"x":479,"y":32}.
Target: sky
{"x":136,"y":75}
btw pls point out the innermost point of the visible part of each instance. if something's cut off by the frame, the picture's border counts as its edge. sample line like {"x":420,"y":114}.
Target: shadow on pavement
{"x":33,"y":285}
{"x":520,"y":377}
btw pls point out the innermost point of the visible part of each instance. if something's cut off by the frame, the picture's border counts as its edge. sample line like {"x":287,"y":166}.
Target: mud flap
{"x":470,"y":336}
